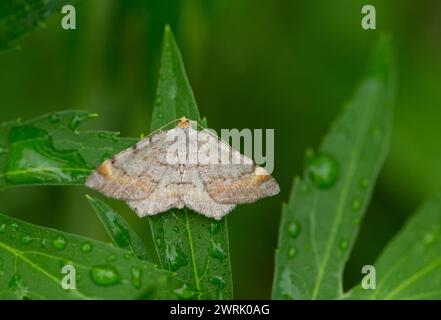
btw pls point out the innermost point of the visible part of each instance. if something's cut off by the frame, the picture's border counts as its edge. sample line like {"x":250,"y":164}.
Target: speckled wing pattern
{"x":143,"y":176}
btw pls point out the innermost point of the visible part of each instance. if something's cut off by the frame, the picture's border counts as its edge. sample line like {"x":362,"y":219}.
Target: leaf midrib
{"x":342,"y":199}
{"x":18,"y":254}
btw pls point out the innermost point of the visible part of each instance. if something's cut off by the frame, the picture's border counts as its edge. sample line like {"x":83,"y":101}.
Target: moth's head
{"x":183,"y":123}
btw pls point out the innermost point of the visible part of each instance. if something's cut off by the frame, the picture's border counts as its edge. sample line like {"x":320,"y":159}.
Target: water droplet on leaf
{"x":2,"y":228}
{"x":215,"y":227}
{"x":356,"y":204}
{"x":185,"y":293}
{"x":429,"y":238}
{"x":54,"y":118}
{"x":322,"y":170}
{"x":60,"y":242}
{"x":344,"y":245}
{"x":43,"y":243}
{"x":292,"y":252}
{"x":294,"y":229}
{"x":136,"y":277}
{"x":86,"y":247}
{"x":104,"y":275}
{"x":111,"y":258}
{"x":176,"y":257}
{"x":25,"y":239}
{"x":13,"y":226}
{"x":216,"y":251}
{"x":364,"y":183}
{"x":75,"y":122}
{"x":217,"y":281}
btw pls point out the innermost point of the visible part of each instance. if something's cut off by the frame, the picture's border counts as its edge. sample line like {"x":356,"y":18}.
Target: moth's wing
{"x":134,"y":173}
{"x":235,"y":178}
{"x":164,"y":197}
{"x":195,"y":196}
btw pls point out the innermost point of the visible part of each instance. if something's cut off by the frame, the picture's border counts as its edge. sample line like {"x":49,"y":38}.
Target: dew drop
{"x":136,"y":277}
{"x":158,"y":242}
{"x":158,"y":101}
{"x":54,"y":118}
{"x":364,"y":183}
{"x":215,"y":227}
{"x":2,"y":150}
{"x":13,"y":226}
{"x":160,"y":115}
{"x":357,"y":221}
{"x":111,"y":258}
{"x":60,"y":242}
{"x":343,"y":245}
{"x":172,"y":91}
{"x":115,"y":137}
{"x":322,"y":170}
{"x":217,"y":281}
{"x":86,"y":247}
{"x":292,"y":252}
{"x":294,"y":229}
{"x":216,"y":251}
{"x":356,"y":204}
{"x":176,"y":229}
{"x":176,"y":257}
{"x":128,"y":255}
{"x":185,"y":293}
{"x":163,"y":76}
{"x":25,"y":239}
{"x":75,"y":122}
{"x":104,"y":275}
{"x":44,"y":243}
{"x":2,"y":228}
{"x":429,"y":239}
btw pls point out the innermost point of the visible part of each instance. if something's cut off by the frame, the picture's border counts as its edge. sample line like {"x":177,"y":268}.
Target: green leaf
{"x":18,"y":17}
{"x":190,"y":244}
{"x":50,"y":150}
{"x":118,"y":229}
{"x":321,"y":220}
{"x":32,"y":258}
{"x":410,"y":266}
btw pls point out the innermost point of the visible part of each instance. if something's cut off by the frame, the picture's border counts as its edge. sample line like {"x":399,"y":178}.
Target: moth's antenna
{"x":159,"y":129}
{"x":208,"y":131}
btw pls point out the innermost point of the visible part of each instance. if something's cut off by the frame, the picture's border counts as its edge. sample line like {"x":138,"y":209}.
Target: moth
{"x":182,"y":167}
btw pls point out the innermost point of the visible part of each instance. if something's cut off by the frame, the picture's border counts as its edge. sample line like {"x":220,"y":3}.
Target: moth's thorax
{"x":183,"y":123}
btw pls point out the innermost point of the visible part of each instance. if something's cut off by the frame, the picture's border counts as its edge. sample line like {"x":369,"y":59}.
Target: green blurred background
{"x":283,"y":64}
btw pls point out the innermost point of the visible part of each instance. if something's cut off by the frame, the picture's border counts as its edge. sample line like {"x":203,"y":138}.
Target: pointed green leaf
{"x":50,"y":150}
{"x":118,"y":229}
{"x":321,"y":220}
{"x":18,"y":17}
{"x":32,"y":259}
{"x":410,"y":266}
{"x":190,"y":244}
